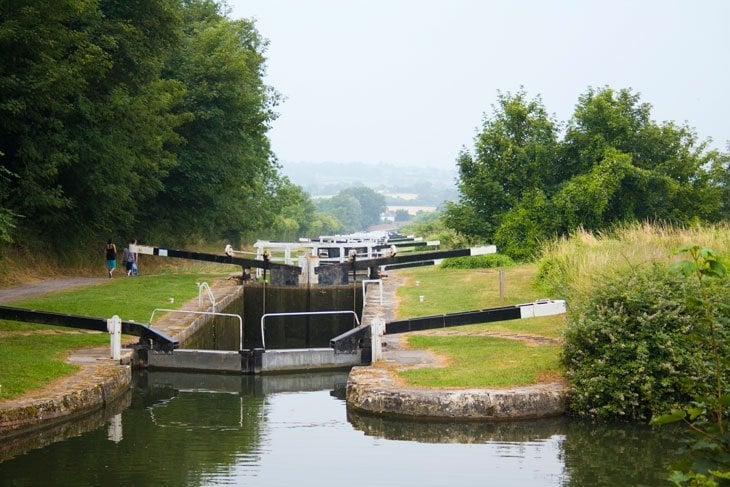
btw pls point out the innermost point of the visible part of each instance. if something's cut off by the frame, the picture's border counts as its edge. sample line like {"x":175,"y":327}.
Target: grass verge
{"x":479,"y":361}
{"x":452,"y":290}
{"x":31,"y":360}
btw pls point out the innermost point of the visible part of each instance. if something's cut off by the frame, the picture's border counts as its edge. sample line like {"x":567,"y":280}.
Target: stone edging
{"x":88,"y":390}
{"x":99,"y":381}
{"x":374,"y":390}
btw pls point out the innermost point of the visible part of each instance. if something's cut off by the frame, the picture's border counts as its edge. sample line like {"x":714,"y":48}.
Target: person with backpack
{"x":129,"y":258}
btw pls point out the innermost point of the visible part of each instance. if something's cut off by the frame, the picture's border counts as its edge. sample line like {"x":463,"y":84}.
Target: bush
{"x":477,"y":262}
{"x":636,"y":347}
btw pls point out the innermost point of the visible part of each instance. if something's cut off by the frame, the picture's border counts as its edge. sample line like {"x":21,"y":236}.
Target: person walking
{"x":111,"y":257}
{"x":129,"y":257}
{"x":135,"y":265}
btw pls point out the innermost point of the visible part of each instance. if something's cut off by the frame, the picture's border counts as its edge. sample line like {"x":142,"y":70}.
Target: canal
{"x":194,"y":429}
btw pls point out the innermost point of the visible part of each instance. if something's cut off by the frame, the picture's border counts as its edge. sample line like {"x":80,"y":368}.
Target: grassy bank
{"x":472,"y":358}
{"x":570,"y":268}
{"x":575,"y":265}
{"x":33,"y":355}
{"x":20,"y":265}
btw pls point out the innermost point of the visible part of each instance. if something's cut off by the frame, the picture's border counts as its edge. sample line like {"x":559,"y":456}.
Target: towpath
{"x":47,"y":286}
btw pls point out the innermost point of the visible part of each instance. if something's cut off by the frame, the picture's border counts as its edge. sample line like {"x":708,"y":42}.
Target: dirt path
{"x":44,"y":287}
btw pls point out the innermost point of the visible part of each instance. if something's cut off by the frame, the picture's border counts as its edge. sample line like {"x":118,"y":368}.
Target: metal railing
{"x":303,"y":313}
{"x":203,"y":286}
{"x":210,"y":313}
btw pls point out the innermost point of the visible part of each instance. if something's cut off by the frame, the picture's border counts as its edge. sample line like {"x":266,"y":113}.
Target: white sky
{"x":408,"y":81}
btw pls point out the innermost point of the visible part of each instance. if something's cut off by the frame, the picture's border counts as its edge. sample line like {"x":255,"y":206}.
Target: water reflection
{"x":26,"y":441}
{"x":196,"y":429}
{"x":592,"y":454}
{"x":462,"y":432}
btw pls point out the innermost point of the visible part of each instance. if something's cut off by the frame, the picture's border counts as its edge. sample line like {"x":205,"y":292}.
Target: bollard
{"x":114,"y":327}
{"x":376,"y":339}
{"x":421,"y":298}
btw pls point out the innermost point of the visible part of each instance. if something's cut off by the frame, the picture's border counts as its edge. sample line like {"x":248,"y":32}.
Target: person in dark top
{"x":111,"y":257}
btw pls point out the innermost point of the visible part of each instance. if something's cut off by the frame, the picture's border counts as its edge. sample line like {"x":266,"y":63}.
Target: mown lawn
{"x":473,"y":360}
{"x":451,"y":290}
{"x":29,"y":361}
{"x":481,"y":361}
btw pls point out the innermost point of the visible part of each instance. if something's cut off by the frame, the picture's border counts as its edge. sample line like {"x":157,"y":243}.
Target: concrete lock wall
{"x":219,"y":332}
{"x":298,"y":331}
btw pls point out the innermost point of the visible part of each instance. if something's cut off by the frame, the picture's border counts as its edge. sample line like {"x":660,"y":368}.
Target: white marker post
{"x":376,"y":339}
{"x":114,"y":327}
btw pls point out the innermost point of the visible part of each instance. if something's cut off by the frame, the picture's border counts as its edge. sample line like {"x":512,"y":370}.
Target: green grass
{"x":133,"y":299}
{"x":30,"y":361}
{"x":452,"y":290}
{"x":479,"y":361}
{"x":483,"y":362}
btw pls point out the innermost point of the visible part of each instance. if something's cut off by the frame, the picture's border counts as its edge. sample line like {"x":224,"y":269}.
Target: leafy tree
{"x":516,"y":151}
{"x":324,"y":224}
{"x":525,"y":226}
{"x":402,"y":215}
{"x":346,"y":209}
{"x":85,"y":115}
{"x":614,"y":164}
{"x":41,"y":77}
{"x":355,"y":208}
{"x":131,"y":117}
{"x":7,"y":216}
{"x":670,"y":181}
{"x":371,"y":202}
{"x":288,"y":209}
{"x":226,"y":156}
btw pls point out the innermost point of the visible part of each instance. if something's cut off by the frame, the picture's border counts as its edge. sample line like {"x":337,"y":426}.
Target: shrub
{"x":635,"y":348}
{"x":477,"y":262}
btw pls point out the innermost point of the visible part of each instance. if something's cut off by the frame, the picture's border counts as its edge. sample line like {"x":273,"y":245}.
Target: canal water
{"x":194,"y":429}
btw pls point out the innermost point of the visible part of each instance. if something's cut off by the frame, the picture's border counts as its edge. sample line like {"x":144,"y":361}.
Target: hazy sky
{"x":408,"y":81}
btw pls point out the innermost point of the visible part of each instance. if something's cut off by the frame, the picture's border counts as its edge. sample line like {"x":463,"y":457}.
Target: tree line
{"x":144,"y":118}
{"x":133,"y":117}
{"x":530,"y":177}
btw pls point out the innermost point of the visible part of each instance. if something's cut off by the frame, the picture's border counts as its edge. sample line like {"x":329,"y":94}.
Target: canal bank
{"x":374,"y":389}
{"x":99,"y":380}
{"x":377,"y":390}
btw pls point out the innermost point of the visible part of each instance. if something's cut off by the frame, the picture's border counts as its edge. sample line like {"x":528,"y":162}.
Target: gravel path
{"x":44,"y":287}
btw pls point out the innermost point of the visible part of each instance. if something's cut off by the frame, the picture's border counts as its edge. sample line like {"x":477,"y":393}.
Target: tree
{"x":355,"y":208}
{"x":289,"y":211}
{"x":85,"y":115}
{"x":515,"y":151}
{"x":521,"y":185}
{"x":668,"y":178}
{"x":324,"y":224}
{"x":402,"y":215}
{"x":346,"y":209}
{"x":7,"y":216}
{"x":371,"y":202}
{"x":226,"y":156}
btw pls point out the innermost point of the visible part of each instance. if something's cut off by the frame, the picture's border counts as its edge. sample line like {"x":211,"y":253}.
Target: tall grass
{"x":573,"y":266}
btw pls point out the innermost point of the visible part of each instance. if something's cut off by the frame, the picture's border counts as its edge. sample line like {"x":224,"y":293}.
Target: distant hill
{"x":431,"y":185}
